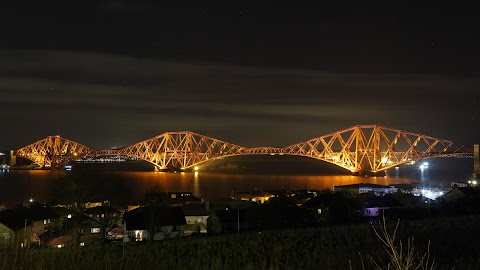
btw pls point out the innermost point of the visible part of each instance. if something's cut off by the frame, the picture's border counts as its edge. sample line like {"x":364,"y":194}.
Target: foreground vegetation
{"x":454,"y":243}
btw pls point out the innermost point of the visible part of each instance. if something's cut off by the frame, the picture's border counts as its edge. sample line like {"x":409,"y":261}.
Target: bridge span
{"x":361,"y":148}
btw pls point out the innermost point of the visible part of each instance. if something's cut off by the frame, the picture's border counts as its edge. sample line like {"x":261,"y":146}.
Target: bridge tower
{"x":476,"y":162}
{"x":13,"y":158}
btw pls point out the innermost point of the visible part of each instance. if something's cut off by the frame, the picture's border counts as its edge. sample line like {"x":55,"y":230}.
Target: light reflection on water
{"x":16,"y":186}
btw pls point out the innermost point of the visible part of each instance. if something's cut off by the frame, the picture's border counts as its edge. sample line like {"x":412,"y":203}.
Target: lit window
{"x":319,"y":210}
{"x":95,"y":230}
{"x":103,"y":215}
{"x":44,"y":221}
{"x":82,"y":244}
{"x":69,"y":216}
{"x":48,"y":221}
{"x":138,"y":235}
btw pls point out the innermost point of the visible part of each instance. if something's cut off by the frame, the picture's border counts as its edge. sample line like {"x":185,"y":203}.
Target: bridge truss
{"x":178,"y":150}
{"x":54,"y":151}
{"x":363,"y":148}
{"x":373,"y":148}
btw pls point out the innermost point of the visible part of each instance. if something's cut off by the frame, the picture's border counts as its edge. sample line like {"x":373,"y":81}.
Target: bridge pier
{"x":476,"y":161}
{"x":13,"y":158}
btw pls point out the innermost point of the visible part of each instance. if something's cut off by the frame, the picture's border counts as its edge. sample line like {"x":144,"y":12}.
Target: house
{"x":318,"y":207}
{"x":110,"y":220}
{"x":155,"y":223}
{"x":220,"y":203}
{"x":255,"y":196}
{"x":90,"y":232}
{"x":281,"y":192}
{"x":181,"y":198}
{"x":307,"y":192}
{"x":196,"y":216}
{"x":41,"y":218}
{"x":93,"y":204}
{"x":100,"y":213}
{"x":458,"y":193}
{"x":366,"y":187}
{"x":320,"y":203}
{"x":14,"y":229}
{"x":374,"y":204}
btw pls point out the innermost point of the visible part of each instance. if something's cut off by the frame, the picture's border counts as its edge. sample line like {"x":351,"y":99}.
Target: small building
{"x":318,"y":207}
{"x":100,"y":213}
{"x":320,"y":203}
{"x":366,"y":188}
{"x":258,"y":196}
{"x":458,"y":193}
{"x":90,"y":232}
{"x":375,"y":204}
{"x":459,"y":184}
{"x":154,"y":223}
{"x":41,"y":218}
{"x":196,"y":216}
{"x":93,"y":204}
{"x":175,"y":195}
{"x":281,"y":192}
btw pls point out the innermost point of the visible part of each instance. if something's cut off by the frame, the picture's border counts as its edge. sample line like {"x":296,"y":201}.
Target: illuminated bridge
{"x":363,"y":148}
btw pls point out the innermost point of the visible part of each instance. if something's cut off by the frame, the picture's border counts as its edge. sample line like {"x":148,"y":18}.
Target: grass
{"x":453,"y":244}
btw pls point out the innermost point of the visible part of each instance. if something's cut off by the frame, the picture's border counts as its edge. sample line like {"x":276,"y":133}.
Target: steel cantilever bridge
{"x":362,"y":148}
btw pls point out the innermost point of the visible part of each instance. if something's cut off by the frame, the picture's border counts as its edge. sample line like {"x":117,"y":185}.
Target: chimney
{"x":207,"y":205}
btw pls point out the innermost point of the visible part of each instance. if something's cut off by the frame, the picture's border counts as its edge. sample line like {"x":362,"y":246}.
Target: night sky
{"x":113,"y":73}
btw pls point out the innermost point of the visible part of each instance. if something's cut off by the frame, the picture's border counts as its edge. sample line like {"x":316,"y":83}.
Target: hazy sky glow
{"x":114,"y":73}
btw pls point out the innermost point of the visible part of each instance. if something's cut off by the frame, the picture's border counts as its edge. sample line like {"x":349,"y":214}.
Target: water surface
{"x":223,"y":178}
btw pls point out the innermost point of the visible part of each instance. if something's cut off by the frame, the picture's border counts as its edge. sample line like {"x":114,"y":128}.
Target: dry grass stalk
{"x":401,"y":257}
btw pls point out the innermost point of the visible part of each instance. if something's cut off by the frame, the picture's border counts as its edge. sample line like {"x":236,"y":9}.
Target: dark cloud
{"x":104,"y":100}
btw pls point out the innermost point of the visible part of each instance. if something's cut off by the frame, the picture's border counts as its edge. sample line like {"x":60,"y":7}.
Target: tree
{"x":277,"y":213}
{"x":154,"y":198}
{"x":109,"y":220}
{"x":345,"y":208}
{"x":77,"y":194}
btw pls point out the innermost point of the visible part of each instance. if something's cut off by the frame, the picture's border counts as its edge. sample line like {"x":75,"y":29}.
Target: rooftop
{"x":363,"y":185}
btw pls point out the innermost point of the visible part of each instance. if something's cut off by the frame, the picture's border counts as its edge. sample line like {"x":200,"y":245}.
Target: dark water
{"x":222,"y":177}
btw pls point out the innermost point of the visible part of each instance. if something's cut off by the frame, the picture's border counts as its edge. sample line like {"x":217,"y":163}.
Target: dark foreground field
{"x":454,"y":244}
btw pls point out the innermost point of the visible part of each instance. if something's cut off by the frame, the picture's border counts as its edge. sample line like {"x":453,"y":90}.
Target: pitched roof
{"x":381,"y":201}
{"x":320,"y":200}
{"x":195,"y":209}
{"x":35,"y":212}
{"x":98,"y":210}
{"x":140,"y":218}
{"x":364,"y":185}
{"x":12,"y":220}
{"x":182,"y":200}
